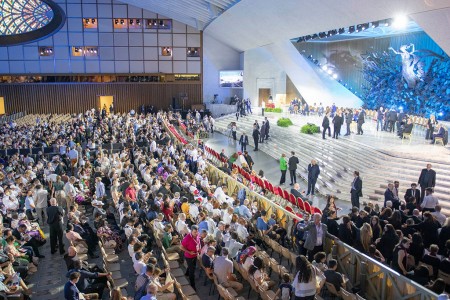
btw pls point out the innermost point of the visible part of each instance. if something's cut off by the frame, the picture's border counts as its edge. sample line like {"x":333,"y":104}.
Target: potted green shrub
{"x":284,"y":122}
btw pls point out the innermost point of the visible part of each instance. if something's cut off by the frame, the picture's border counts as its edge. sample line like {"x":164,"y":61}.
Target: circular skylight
{"x":23,"y":21}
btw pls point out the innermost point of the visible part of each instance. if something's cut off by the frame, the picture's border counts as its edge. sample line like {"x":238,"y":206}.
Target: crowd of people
{"x":160,"y":195}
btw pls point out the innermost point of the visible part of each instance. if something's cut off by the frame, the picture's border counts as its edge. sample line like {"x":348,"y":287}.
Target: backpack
{"x":241,"y":195}
{"x":285,"y":293}
{"x":142,"y":291}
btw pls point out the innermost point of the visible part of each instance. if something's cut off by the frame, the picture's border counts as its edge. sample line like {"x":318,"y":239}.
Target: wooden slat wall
{"x":79,"y":97}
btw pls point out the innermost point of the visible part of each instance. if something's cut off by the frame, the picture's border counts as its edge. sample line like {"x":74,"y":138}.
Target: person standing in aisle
{"x":243,"y":141}
{"x":326,"y":125}
{"x":55,"y":216}
{"x":356,"y":190}
{"x":313,"y":174}
{"x":262,"y":132}
{"x":293,"y":161}
{"x":267,"y":129}
{"x":337,"y":123}
{"x":255,"y":137}
{"x":283,"y":168}
{"x":233,"y":130}
{"x":191,"y":247}
{"x":427,"y":179}
{"x":360,"y":122}
{"x":348,"y":121}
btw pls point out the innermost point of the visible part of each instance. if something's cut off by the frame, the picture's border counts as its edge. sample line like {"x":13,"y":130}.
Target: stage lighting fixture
{"x":122,"y":21}
{"x":324,"y":68}
{"x":330,"y":72}
{"x":365,"y":26}
{"x":315,"y":36}
{"x":359,"y":28}
{"x":307,"y":38}
{"x":440,"y":114}
{"x":93,"y":21}
{"x":138,"y":21}
{"x":316,"y":61}
{"x":335,"y":76}
{"x":322,"y":35}
{"x":351,"y":29}
{"x":375,"y":24}
{"x":334,"y":32}
{"x":400,"y":22}
{"x":131,"y":22}
{"x":341,"y":30}
{"x":310,"y":57}
{"x":387,"y":22}
{"x":330,"y":33}
{"x":116,"y":21}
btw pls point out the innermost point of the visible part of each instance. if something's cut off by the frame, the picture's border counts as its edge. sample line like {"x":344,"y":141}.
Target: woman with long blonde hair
{"x":366,"y":237}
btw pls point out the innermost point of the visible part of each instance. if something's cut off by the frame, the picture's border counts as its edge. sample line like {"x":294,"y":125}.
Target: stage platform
{"x":380,"y":157}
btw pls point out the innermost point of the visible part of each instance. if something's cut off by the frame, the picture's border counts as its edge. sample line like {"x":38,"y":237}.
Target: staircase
{"x":338,"y":159}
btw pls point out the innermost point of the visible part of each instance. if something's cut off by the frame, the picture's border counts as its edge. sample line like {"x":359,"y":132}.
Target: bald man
{"x":55,"y":220}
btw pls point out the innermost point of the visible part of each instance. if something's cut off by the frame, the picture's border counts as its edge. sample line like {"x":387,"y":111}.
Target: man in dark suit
{"x":389,"y":196}
{"x":360,"y":122}
{"x":243,"y":141}
{"x":296,"y":191}
{"x":427,"y":179}
{"x":292,"y":166}
{"x":356,"y":190}
{"x":55,"y":220}
{"x":313,"y":174}
{"x":439,"y":134}
{"x":337,"y":123}
{"x":392,"y":117}
{"x":326,"y":125}
{"x":348,"y":121}
{"x":267,"y":129}
{"x":255,"y":137}
{"x":413,"y":192}
{"x":262,"y":132}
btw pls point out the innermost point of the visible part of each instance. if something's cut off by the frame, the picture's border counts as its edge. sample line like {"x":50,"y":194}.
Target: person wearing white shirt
{"x":244,"y":211}
{"x":138,"y":265}
{"x":100,"y":191}
{"x":227,"y":215}
{"x":11,"y":203}
{"x":241,"y":229}
{"x":440,"y":217}
{"x":193,"y":210}
{"x":429,"y":201}
{"x":181,"y":225}
{"x":40,"y":199}
{"x":220,"y":193}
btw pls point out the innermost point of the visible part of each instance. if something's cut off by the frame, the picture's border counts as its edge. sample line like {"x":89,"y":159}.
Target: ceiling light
{"x":335,"y":76}
{"x":400,"y":22}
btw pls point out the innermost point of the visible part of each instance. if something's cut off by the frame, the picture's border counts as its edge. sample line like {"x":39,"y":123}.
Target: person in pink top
{"x":191,"y":247}
{"x":130,"y":195}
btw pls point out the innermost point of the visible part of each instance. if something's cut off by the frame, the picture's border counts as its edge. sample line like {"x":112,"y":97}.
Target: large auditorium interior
{"x":224,"y":149}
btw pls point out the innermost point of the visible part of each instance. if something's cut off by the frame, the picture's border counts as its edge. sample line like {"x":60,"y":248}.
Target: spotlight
{"x":359,"y":28}
{"x":375,"y":24}
{"x":307,"y":38}
{"x":310,"y":57}
{"x":93,"y":21}
{"x":440,"y":114}
{"x":316,"y":61}
{"x":387,"y":22}
{"x":341,"y":30}
{"x":400,"y":22}
{"x":131,"y":22}
{"x":335,"y":76}
{"x":324,"y":68}
{"x":86,"y":21}
{"x":351,"y":29}
{"x":330,"y":72}
{"x":315,"y":36}
{"x":116,"y":21}
{"x":322,"y":35}
{"x":330,"y":33}
{"x":161,"y":23}
{"x":138,"y":21}
{"x":122,"y":21}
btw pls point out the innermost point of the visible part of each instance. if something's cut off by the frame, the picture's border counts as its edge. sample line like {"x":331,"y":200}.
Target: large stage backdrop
{"x":408,"y":71}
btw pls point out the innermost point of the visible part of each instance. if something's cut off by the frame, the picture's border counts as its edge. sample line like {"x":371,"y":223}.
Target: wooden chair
{"x":407,"y":136}
{"x":445,"y":277}
{"x":111,"y":258}
{"x":346,"y":295}
{"x":267,"y":295}
{"x":429,"y":267}
{"x":332,"y":290}
{"x":186,"y":289}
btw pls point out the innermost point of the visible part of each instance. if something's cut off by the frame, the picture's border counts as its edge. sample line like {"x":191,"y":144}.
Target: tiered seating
{"x":339,"y":158}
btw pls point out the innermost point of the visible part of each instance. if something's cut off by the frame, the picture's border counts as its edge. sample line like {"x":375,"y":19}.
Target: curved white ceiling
{"x":250,"y":23}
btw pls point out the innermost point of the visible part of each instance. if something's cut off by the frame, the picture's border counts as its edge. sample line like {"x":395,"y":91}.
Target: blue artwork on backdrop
{"x":416,"y":79}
